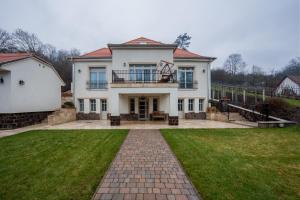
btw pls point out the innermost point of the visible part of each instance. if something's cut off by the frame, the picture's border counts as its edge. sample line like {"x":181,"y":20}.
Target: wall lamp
{"x":21,"y":82}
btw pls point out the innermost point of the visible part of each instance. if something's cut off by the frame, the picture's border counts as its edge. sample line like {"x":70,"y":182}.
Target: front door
{"x":143,"y":108}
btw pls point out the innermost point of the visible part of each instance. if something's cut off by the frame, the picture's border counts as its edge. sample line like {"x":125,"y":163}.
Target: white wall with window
{"x":186,"y":77}
{"x":97,"y":78}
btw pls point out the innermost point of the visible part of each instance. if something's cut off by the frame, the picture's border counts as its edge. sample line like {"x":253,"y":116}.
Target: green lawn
{"x":56,"y":164}
{"x":293,"y":102}
{"x":240,"y":163}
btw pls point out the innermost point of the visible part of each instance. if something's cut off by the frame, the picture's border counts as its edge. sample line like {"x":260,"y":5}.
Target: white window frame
{"x":185,"y":70}
{"x":81,"y":105}
{"x":136,"y":68}
{"x":98,"y":83}
{"x":180,"y":104}
{"x":191,"y":105}
{"x":103,"y":105}
{"x":93,"y":105}
{"x":201,"y":105}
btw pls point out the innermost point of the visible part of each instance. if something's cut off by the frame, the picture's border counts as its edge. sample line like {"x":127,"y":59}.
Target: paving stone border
{"x":145,"y":168}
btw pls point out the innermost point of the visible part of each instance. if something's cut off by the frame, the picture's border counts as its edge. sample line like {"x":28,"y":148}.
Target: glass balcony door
{"x":185,"y":77}
{"x":143,"y":73}
{"x":97,"y":77}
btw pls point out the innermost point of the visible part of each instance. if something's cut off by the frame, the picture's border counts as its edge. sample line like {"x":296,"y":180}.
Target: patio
{"x":105,"y":124}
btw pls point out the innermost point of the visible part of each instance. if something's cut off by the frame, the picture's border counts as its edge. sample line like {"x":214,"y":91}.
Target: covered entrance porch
{"x":146,"y":105}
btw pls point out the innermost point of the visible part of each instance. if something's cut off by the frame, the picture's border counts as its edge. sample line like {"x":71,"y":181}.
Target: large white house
{"x":141,"y":79}
{"x":30,"y":89}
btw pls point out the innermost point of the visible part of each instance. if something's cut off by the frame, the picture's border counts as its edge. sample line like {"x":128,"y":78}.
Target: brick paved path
{"x":145,"y":168}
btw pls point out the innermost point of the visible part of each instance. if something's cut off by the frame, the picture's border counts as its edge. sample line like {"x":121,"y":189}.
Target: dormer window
{"x":143,"y":42}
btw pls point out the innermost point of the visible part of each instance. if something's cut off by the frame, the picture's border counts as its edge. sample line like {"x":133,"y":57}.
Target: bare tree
{"x":5,"y":41}
{"x":256,"y":70}
{"x":234,"y":64}
{"x":183,"y":41}
{"x":26,"y":41}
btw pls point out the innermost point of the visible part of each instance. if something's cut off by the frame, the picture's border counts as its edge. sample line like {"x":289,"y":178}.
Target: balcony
{"x":96,"y":85}
{"x":143,"y":76}
{"x":188,"y":85}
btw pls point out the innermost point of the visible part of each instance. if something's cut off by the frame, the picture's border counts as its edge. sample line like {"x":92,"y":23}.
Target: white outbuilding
{"x":30,"y":89}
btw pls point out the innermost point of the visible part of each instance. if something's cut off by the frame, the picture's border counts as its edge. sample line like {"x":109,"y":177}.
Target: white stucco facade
{"x":29,"y":85}
{"x":125,"y":97}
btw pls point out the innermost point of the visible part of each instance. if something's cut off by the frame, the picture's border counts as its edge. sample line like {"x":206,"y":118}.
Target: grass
{"x":292,"y":102}
{"x":56,"y":164}
{"x":240,"y":163}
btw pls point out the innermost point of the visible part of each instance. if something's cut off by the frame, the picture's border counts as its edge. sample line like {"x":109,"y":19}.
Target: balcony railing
{"x":188,"y":85}
{"x":143,"y":76}
{"x":96,"y":85}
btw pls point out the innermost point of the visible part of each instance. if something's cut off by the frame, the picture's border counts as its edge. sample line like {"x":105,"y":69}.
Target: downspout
{"x":208,"y":84}
{"x":73,"y":79}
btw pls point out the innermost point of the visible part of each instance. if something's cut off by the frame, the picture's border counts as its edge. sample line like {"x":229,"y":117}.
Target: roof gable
{"x":7,"y":58}
{"x":142,"y":41}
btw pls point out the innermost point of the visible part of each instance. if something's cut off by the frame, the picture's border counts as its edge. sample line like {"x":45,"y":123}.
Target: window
{"x":155,"y":104}
{"x":185,"y":77}
{"x":81,"y":105}
{"x":180,"y":104}
{"x":103,"y":105}
{"x":93,"y":105}
{"x":201,"y":104}
{"x":191,"y":104}
{"x":132,"y":105}
{"x":142,"y":72}
{"x":97,"y":78}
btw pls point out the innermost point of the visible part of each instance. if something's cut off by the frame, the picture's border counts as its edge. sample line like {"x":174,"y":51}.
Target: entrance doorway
{"x":143,"y":108}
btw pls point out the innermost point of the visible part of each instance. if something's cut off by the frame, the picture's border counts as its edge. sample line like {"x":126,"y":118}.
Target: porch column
{"x":114,"y":107}
{"x":196,"y":105}
{"x":98,"y":110}
{"x":186,"y":106}
{"x":86,"y":105}
{"x":173,"y":113}
{"x":136,"y":106}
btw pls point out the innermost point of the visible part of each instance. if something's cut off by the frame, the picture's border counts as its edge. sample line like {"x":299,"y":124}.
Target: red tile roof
{"x":178,"y":53}
{"x":10,"y":57}
{"x":142,"y":40}
{"x":101,"y":53}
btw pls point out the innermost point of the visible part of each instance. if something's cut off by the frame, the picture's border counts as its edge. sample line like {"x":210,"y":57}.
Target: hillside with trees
{"x":23,"y":41}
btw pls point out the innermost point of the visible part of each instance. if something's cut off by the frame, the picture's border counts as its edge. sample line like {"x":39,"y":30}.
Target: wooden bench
{"x":158,"y":115}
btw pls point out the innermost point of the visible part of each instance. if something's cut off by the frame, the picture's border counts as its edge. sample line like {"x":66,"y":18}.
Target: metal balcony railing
{"x":188,"y":85}
{"x":96,"y":85}
{"x":143,"y":76}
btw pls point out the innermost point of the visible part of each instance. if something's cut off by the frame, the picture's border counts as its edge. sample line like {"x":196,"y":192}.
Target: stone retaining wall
{"x":62,"y":116}
{"x":192,"y":115}
{"x":87,"y":116}
{"x":17,"y":120}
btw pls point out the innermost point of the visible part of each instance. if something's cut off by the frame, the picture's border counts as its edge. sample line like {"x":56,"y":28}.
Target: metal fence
{"x":143,"y":76}
{"x":246,"y":96}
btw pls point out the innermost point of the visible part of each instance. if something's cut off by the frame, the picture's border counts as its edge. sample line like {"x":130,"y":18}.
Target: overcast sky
{"x":265,"y":32}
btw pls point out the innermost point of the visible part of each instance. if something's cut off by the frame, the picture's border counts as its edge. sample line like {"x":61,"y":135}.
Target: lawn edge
{"x":110,"y":164}
{"x":181,"y":166}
